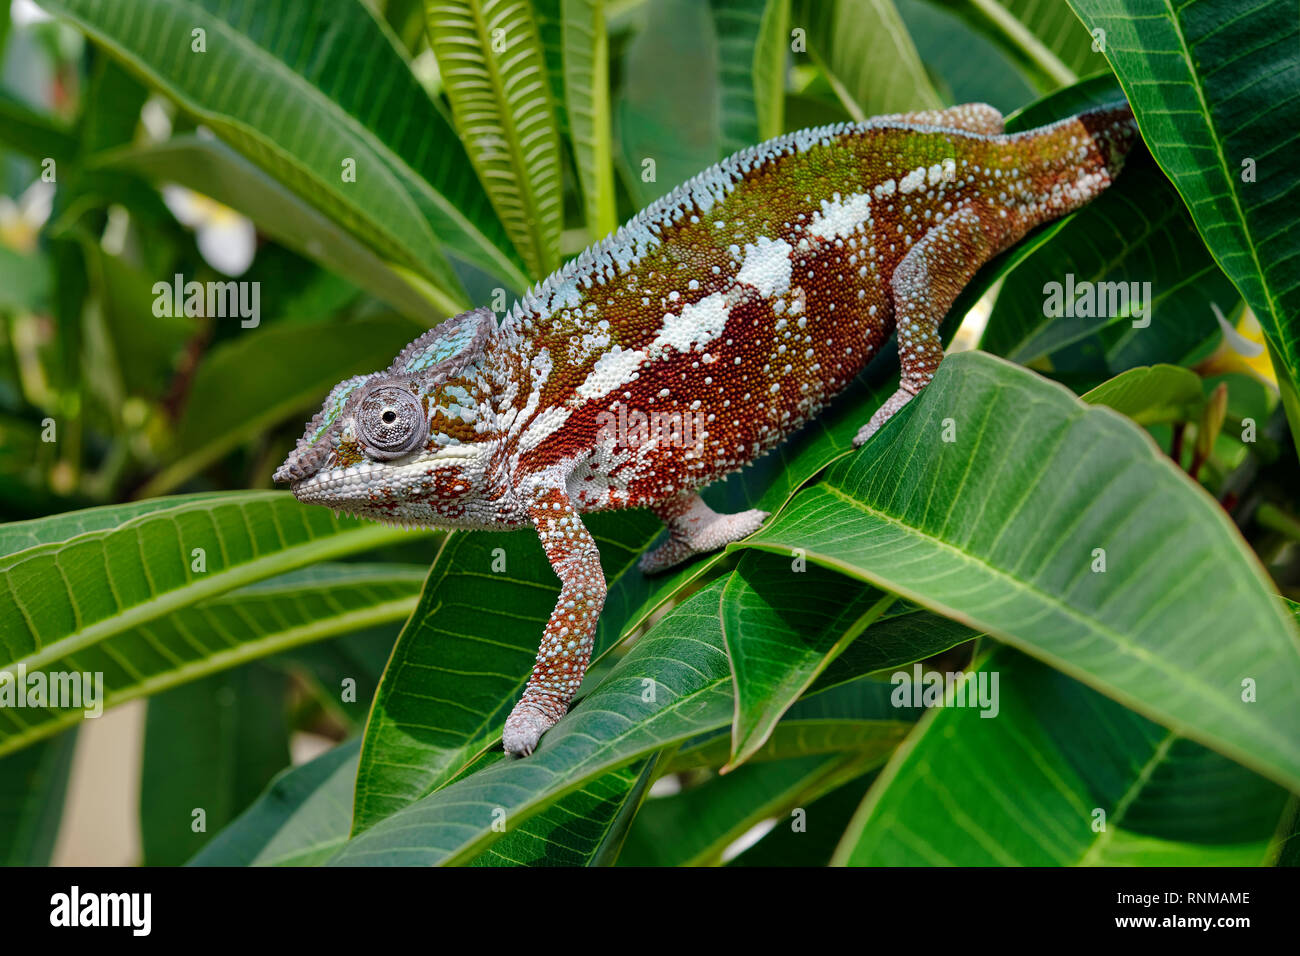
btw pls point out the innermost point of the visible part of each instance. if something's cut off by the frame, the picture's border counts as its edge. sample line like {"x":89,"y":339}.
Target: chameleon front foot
{"x":524,"y":728}
{"x":694,"y":528}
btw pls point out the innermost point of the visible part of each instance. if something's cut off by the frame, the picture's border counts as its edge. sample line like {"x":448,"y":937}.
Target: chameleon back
{"x":732,"y":310}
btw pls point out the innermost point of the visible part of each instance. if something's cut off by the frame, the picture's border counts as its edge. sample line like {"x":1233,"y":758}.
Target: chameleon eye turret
{"x":391,"y":422}
{"x":742,"y":302}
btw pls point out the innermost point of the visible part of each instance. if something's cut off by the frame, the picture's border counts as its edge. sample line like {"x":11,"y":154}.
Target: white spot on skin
{"x":699,"y":323}
{"x":913,"y":180}
{"x":767,"y":267}
{"x":542,"y":427}
{"x":612,"y":370}
{"x":840,"y":219}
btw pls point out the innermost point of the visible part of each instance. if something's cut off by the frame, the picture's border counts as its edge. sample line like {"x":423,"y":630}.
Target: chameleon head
{"x":404,"y":445}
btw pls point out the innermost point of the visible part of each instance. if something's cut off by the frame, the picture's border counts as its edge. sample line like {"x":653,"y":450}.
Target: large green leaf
{"x":257,"y":380}
{"x":673,"y":685}
{"x":301,"y":820}
{"x":867,"y":54}
{"x":251,"y":622}
{"x":464,"y":656}
{"x":1062,"y":776}
{"x":33,"y":785}
{"x":305,"y":815}
{"x":65,"y":597}
{"x":209,"y":749}
{"x":1214,"y":87}
{"x":494,"y":70}
{"x":313,"y":86}
{"x":19,"y":535}
{"x":210,"y":167}
{"x":1008,"y":526}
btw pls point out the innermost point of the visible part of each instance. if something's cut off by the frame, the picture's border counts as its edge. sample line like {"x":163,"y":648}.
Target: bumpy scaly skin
{"x":746,"y":298}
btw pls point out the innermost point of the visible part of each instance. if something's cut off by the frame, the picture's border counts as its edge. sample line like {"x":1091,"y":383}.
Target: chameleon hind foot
{"x":693,"y":528}
{"x":883,"y":414}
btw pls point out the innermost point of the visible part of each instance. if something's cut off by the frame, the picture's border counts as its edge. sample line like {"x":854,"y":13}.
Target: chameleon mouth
{"x":357,"y":484}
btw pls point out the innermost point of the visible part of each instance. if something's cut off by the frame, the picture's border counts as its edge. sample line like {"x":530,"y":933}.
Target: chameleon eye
{"x":391,"y":422}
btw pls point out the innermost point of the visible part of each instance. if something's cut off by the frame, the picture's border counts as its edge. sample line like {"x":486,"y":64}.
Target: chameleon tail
{"x":1112,"y":131}
{"x":1073,"y":161}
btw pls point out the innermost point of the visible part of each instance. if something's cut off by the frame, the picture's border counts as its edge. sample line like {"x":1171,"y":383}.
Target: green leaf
{"x":1151,"y":394}
{"x":33,"y":134}
{"x":868,"y":56}
{"x":695,"y":826}
{"x":585,"y":828}
{"x":251,"y":622}
{"x":752,"y":48}
{"x":249,"y":384}
{"x":1213,"y":86}
{"x":683,"y":658}
{"x":19,"y":535}
{"x":782,"y":628}
{"x":906,"y":634}
{"x":494,"y":70}
{"x":301,"y":820}
{"x":66,"y":597}
{"x":1030,"y":787}
{"x":210,"y":167}
{"x":965,"y":65}
{"x":813,"y":843}
{"x":26,"y":281}
{"x":1001,"y":530}
{"x":318,"y":84}
{"x":586,"y":101}
{"x":465,"y":654}
{"x":144,"y":346}
{"x":1046,"y":40}
{"x":668,"y":125}
{"x":209,"y":747}
{"x":33,"y":785}
{"x":771,"y":56}
{"x":859,"y":716}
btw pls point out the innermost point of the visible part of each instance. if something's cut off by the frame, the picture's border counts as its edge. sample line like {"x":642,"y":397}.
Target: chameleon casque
{"x":745,"y":298}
